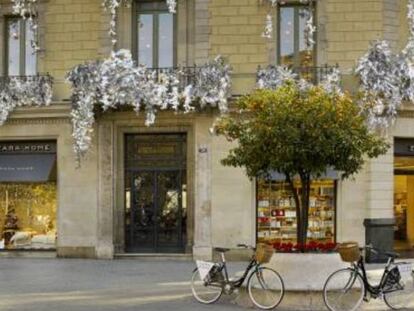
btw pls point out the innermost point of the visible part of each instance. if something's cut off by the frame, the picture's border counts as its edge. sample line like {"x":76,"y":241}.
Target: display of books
{"x":276,"y":212}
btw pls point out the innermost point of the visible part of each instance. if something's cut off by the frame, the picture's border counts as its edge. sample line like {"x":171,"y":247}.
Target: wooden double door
{"x":155,"y":193}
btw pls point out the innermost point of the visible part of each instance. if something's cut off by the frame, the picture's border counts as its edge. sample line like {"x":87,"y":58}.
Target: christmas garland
{"x":118,"y":82}
{"x":24,"y":91}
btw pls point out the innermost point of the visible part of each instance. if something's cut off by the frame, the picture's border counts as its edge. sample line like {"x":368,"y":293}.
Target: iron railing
{"x":36,"y":80}
{"x":27,"y":90}
{"x":185,"y":75}
{"x":313,"y":74}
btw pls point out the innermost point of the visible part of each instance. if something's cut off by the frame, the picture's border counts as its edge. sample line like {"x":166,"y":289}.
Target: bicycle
{"x":264,"y":285}
{"x":346,"y":289}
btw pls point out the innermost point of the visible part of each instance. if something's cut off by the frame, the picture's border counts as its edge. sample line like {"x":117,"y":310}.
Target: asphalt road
{"x":121,"y":285}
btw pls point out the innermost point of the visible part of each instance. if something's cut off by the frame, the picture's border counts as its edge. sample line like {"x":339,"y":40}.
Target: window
{"x":276,"y":212}
{"x":28,"y":195}
{"x":292,"y":49}
{"x":21,"y":56}
{"x":155,"y":35}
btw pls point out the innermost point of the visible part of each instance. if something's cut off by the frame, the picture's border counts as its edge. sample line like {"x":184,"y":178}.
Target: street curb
{"x":292,"y":301}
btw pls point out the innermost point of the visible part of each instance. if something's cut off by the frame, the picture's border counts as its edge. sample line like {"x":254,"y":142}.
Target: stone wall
{"x":77,"y":192}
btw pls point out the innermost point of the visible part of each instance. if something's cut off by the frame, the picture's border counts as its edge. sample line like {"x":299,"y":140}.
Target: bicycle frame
{"x":238,"y":282}
{"x":375,"y":291}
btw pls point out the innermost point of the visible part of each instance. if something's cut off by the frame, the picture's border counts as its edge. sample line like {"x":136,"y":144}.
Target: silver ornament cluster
{"x":27,"y":9}
{"x":112,"y":7}
{"x":23,"y":91}
{"x":118,"y":82}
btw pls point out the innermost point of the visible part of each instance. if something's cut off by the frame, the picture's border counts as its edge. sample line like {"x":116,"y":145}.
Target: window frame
{"x":22,"y":57}
{"x":155,"y":8}
{"x":296,"y":40}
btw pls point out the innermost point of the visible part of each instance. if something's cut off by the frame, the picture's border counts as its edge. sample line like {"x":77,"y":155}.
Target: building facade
{"x":162,"y":189}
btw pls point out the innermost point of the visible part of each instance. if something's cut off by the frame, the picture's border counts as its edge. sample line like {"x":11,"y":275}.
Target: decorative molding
{"x":406,"y":114}
{"x":37,"y":121}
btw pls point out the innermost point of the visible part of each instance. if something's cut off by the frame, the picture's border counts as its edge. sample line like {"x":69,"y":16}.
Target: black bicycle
{"x":264,"y":285}
{"x":346,"y":289}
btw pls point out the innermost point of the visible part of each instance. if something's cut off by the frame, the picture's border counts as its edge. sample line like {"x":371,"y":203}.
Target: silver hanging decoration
{"x":117,"y":82}
{"x":112,"y":7}
{"x":27,"y":9}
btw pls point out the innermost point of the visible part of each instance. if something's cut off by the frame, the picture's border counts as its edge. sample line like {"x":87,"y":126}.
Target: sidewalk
{"x":121,"y":285}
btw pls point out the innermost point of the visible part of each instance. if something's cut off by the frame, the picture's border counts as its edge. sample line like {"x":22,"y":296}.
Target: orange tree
{"x":300,"y":134}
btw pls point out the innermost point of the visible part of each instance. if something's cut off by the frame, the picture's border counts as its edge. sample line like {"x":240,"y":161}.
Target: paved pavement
{"x":121,"y":285}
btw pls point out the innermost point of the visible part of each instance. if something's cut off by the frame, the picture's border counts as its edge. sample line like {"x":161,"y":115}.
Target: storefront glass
{"x":276,"y":212}
{"x":28,"y":195}
{"x":404,"y":203}
{"x":28,"y":215}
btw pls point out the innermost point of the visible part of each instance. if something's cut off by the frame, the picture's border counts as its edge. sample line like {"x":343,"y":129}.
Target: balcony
{"x":185,"y":75}
{"x":312,"y":74}
{"x":26,"y":90}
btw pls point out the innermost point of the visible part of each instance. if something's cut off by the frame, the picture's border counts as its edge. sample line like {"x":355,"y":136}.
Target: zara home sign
{"x":27,"y":161}
{"x":33,"y":147}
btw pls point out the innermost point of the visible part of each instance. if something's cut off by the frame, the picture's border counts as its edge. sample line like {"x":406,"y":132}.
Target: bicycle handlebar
{"x":245,"y":246}
{"x":379,"y":251}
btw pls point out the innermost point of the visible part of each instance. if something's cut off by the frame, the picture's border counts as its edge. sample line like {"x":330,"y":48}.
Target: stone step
{"x":155,"y":256}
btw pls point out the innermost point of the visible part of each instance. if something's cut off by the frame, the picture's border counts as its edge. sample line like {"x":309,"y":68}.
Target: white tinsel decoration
{"x":27,"y":9}
{"x":274,"y":77}
{"x":112,"y":7}
{"x":172,"y":5}
{"x":406,"y":59}
{"x":268,"y":31}
{"x":310,"y":30}
{"x":24,"y":91}
{"x":310,"y":27}
{"x":380,"y":84}
{"x":117,"y":82}
{"x":332,"y":82}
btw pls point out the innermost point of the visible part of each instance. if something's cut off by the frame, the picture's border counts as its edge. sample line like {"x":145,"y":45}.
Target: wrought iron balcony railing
{"x":185,"y":75}
{"x":313,"y":74}
{"x":26,"y":90}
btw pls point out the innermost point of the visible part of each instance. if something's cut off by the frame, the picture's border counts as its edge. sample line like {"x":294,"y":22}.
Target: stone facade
{"x":222,"y":200}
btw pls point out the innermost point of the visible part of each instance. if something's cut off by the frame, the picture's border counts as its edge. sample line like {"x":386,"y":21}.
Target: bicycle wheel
{"x":401,"y":296}
{"x":205,"y":291}
{"x":344,"y":290}
{"x":266,"y":288}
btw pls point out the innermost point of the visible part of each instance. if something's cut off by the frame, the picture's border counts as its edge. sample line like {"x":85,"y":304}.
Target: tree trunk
{"x":305,"y":196}
{"x":298,"y":208}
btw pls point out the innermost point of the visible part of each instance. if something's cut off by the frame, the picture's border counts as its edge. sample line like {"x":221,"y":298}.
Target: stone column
{"x":379,"y":223}
{"x":202,"y":210}
{"x":105,"y":244}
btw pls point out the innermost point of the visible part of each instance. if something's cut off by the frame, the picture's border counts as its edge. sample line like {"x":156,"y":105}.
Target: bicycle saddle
{"x":221,"y":250}
{"x":392,"y":254}
{"x":388,"y":254}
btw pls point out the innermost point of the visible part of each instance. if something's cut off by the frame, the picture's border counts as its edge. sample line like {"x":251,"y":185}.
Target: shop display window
{"x":276,"y":212}
{"x":28,"y":215}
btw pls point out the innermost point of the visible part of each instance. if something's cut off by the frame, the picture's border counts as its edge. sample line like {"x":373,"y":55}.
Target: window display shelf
{"x":276,"y":218}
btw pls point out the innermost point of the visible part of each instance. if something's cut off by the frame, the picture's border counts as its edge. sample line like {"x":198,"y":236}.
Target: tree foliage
{"x":301,"y":134}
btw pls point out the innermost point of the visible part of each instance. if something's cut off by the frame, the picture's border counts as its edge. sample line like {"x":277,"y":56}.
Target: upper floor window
{"x":20,"y":53}
{"x":155,"y":34}
{"x":292,"y":48}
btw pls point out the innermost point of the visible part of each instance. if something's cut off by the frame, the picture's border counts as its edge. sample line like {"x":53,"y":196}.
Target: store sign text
{"x":7,"y":148}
